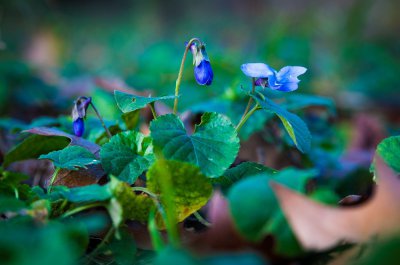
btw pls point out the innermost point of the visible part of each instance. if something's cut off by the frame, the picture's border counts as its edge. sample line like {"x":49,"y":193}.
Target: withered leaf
{"x":320,"y":227}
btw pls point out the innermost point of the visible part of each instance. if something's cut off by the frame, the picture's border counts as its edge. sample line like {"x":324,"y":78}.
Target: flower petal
{"x":79,"y":127}
{"x":290,"y":74}
{"x":203,"y":73}
{"x":287,"y":87}
{"x":258,"y":70}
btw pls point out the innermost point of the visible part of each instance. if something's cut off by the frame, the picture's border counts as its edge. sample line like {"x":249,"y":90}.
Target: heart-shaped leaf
{"x":296,"y":128}
{"x":127,"y":155}
{"x":71,"y":157}
{"x":213,"y":146}
{"x":128,"y":102}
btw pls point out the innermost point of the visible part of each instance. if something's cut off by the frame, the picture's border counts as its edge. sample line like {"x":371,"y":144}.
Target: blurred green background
{"x":53,"y":50}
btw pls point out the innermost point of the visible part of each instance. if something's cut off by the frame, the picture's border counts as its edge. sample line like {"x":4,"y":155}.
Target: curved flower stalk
{"x":202,"y":67}
{"x":285,"y":80}
{"x":79,"y":113}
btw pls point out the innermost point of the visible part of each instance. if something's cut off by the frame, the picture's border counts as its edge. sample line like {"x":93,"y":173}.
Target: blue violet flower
{"x":202,"y":67}
{"x":285,"y":80}
{"x":79,"y":127}
{"x":79,"y":113}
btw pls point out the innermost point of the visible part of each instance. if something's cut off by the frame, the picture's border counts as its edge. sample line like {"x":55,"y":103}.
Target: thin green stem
{"x":153,"y":110}
{"x":101,"y":120}
{"x":172,"y":233}
{"x":253,"y":89}
{"x":53,"y":178}
{"x":16,"y":192}
{"x":81,"y":208}
{"x":105,"y":240}
{"x":242,"y":122}
{"x":202,"y":220}
{"x":145,"y":190}
{"x":155,"y":236}
{"x":179,"y":79}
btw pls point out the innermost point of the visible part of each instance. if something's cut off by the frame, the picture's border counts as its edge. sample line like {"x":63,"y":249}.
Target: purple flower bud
{"x":202,"y":67}
{"x":79,"y":127}
{"x":262,"y":82}
{"x":203,"y":73}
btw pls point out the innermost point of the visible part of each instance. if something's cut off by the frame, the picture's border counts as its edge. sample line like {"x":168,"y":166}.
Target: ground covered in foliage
{"x":142,"y":144}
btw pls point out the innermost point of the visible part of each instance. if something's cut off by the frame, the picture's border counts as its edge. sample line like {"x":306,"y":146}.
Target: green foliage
{"x":124,"y":249}
{"x":389,"y":151}
{"x":191,"y":189}
{"x":87,"y":194}
{"x":127,"y":155}
{"x":296,"y":128}
{"x":128,"y":102}
{"x":71,"y":157}
{"x":241,"y":171}
{"x":213,"y":146}
{"x":296,"y":101}
{"x":171,"y":256}
{"x":34,"y":146}
{"x":245,"y":198}
{"x":135,"y":206}
{"x":26,"y":243}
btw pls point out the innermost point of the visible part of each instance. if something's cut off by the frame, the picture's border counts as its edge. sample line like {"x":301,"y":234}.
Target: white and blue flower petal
{"x":257,"y":70}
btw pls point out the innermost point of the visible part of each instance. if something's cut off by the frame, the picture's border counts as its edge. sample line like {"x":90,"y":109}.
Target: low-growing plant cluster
{"x":174,"y":189}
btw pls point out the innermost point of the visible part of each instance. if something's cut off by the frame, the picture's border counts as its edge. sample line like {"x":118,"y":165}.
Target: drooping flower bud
{"x":79,"y":127}
{"x":79,"y":113}
{"x":202,"y":68}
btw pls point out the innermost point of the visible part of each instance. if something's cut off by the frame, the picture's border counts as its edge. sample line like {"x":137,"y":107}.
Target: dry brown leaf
{"x":320,"y":227}
{"x":82,"y":177}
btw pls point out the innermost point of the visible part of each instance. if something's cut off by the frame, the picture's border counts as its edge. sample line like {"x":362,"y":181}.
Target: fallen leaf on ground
{"x":319,"y":227}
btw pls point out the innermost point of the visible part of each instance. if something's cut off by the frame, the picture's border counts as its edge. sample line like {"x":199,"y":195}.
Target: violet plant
{"x":162,"y":178}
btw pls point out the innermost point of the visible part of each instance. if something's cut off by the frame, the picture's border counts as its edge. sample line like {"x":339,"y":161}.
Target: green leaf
{"x":301,"y":101}
{"x":234,"y":109}
{"x":296,"y":128}
{"x":127,"y":155}
{"x":123,"y":249}
{"x":241,"y":171}
{"x":256,"y":212}
{"x":213,"y":146}
{"x":234,"y":258}
{"x":173,"y":256}
{"x":87,"y":194}
{"x":285,"y":241}
{"x":191,"y":189}
{"x":34,"y":146}
{"x":53,"y":243}
{"x":128,"y":102}
{"x":71,"y":157}
{"x":389,"y":150}
{"x":11,"y":204}
{"x":131,"y":119}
